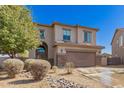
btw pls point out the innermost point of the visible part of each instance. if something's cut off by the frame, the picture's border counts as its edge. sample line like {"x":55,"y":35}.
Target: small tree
{"x":25,"y":54}
{"x":16,"y":30}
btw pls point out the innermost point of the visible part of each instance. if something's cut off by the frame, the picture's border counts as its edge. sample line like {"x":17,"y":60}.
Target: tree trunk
{"x":12,"y":55}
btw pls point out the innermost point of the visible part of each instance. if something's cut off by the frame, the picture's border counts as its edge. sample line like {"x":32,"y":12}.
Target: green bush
{"x":39,"y":69}
{"x":54,"y":68}
{"x":13,"y":67}
{"x":28,"y":63}
{"x":69,"y":66}
{"x":24,"y":55}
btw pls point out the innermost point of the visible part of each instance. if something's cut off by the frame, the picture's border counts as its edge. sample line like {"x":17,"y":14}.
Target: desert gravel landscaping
{"x":87,"y":77}
{"x":54,"y":80}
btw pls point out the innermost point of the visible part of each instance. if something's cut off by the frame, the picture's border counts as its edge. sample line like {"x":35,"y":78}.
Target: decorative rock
{"x":55,"y":82}
{"x":62,"y":83}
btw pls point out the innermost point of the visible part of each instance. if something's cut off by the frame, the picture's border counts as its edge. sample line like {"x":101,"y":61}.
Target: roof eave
{"x":42,"y":24}
{"x":57,"y":23}
{"x":76,"y":45}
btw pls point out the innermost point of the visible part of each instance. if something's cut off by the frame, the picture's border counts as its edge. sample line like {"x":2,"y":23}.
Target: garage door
{"x":81,"y":58}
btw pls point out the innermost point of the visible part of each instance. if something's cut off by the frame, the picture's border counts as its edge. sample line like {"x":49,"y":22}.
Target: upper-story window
{"x":42,"y":34}
{"x":87,"y":37}
{"x":67,"y":35}
{"x":117,"y":43}
{"x":121,"y":41}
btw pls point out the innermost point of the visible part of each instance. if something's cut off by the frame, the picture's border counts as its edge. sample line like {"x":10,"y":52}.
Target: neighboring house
{"x":63,"y":43}
{"x":118,"y":44}
{"x":106,"y":55}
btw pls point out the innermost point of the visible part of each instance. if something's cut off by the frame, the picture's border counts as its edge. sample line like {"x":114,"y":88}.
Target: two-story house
{"x":63,"y":43}
{"x":118,"y":44}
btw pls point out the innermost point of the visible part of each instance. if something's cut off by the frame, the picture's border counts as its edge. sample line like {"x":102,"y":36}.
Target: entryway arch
{"x":42,"y":51}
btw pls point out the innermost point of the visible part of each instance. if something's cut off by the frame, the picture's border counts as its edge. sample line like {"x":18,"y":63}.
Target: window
{"x":117,"y":43}
{"x":42,"y":34}
{"x":121,"y":41}
{"x":87,"y":37}
{"x":66,"y":35}
{"x":41,"y":50}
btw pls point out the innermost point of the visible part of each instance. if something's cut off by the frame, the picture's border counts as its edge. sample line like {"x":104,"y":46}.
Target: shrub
{"x":13,"y":67}
{"x":54,"y":68}
{"x":28,"y":63}
{"x":44,"y":84}
{"x":39,"y":69}
{"x":69,"y":66}
{"x":24,"y":54}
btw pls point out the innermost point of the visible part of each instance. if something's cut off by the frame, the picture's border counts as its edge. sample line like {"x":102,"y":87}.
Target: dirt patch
{"x":77,"y":77}
{"x":89,"y":78}
{"x":24,"y":80}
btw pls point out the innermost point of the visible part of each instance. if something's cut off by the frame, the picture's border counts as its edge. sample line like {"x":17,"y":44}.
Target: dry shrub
{"x":69,"y":66}
{"x":44,"y":84}
{"x":13,"y":67}
{"x":39,"y":69}
{"x":28,"y":63}
{"x":54,"y":69}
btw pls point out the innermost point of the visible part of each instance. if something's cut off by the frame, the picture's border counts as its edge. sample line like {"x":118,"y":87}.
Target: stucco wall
{"x":77,"y":48}
{"x":115,"y":45}
{"x":49,"y":41}
{"x":54,"y":34}
{"x":59,"y":33}
{"x":80,"y":36}
{"x":77,"y":34}
{"x":118,"y":51}
{"x":49,"y":36}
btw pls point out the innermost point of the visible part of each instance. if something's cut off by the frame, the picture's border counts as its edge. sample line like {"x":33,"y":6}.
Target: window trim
{"x":67,"y":34}
{"x":120,"y":41}
{"x":90,"y":39}
{"x":42,"y":30}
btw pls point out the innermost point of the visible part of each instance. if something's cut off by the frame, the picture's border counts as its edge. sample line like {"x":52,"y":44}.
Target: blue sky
{"x":106,"y":18}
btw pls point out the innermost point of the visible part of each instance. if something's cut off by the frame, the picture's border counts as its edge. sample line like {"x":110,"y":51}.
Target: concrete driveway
{"x":111,"y":76}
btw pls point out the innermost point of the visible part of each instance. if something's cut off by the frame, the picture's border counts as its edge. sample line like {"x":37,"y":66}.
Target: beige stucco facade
{"x":118,"y":44}
{"x":49,"y":38}
{"x":57,"y":46}
{"x":76,"y":34}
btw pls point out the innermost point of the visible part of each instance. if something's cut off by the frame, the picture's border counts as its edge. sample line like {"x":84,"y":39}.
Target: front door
{"x":42,"y":52}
